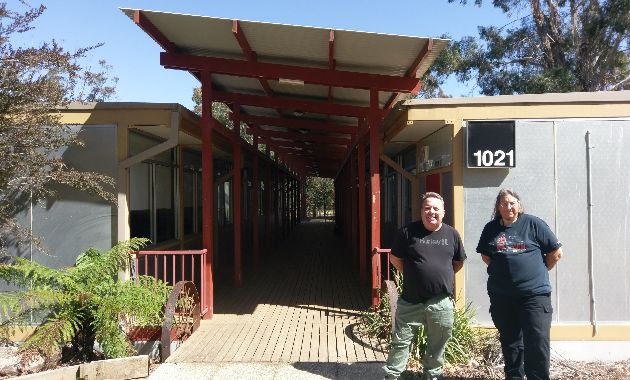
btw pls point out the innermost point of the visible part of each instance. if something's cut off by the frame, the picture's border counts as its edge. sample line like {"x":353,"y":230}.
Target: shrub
{"x":82,"y":304}
{"x":465,"y":343}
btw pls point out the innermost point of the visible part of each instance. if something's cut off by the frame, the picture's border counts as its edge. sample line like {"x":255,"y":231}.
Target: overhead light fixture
{"x":292,"y":82}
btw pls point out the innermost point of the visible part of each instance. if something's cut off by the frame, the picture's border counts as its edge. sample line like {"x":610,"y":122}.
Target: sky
{"x":134,"y":56}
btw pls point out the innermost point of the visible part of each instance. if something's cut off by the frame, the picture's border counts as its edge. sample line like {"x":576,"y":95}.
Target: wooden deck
{"x":301,"y":306}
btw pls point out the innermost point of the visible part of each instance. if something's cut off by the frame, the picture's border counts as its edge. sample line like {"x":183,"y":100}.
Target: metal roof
{"x":316,"y":68}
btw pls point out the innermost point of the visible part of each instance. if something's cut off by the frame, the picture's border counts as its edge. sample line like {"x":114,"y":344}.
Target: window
{"x":152,"y":195}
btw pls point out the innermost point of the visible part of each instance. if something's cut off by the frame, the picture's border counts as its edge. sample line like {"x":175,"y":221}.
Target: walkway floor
{"x":301,"y":306}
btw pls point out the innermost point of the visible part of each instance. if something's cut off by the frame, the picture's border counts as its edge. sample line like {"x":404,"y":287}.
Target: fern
{"x":82,"y":304}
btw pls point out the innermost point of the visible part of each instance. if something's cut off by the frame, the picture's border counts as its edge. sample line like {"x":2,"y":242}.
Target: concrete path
{"x":268,"y":371}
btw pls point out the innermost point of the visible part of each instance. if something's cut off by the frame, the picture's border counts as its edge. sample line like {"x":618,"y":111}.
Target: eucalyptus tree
{"x":36,"y":82}
{"x":554,"y":46}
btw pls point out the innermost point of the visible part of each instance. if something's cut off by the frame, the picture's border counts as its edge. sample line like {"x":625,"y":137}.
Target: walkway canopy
{"x":316,"y":97}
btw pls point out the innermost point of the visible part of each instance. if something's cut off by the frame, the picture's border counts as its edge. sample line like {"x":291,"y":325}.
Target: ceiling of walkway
{"x":304,"y":91}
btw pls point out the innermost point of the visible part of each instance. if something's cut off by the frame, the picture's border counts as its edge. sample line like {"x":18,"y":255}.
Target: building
{"x":565,"y":154}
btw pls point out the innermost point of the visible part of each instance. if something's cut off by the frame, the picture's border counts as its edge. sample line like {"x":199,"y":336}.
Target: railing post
{"x":376,"y":276}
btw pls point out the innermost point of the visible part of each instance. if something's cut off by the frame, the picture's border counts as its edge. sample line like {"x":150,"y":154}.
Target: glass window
{"x":164,"y":203}
{"x":140,"y":201}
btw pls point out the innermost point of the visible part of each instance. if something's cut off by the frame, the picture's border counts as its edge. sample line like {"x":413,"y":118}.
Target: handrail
{"x":174,"y":266}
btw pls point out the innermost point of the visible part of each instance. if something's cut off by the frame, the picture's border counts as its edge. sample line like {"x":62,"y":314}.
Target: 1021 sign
{"x":490,"y":144}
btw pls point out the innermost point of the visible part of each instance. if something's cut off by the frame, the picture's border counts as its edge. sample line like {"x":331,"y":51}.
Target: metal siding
{"x":532,"y":179}
{"x":74,"y":221}
{"x":610,"y":165}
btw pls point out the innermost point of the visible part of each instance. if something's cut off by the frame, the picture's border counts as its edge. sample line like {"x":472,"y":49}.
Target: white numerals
{"x":496,"y":158}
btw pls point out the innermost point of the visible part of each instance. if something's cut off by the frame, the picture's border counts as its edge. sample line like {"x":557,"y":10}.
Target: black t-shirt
{"x":427,"y":260}
{"x":517,"y":265}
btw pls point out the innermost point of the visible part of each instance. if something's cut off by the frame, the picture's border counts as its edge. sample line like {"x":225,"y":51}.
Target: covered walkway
{"x":301,"y":305}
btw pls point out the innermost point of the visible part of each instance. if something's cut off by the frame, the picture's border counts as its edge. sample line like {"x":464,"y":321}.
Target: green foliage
{"x":35,"y":82}
{"x":465,"y":344}
{"x":81,"y":304}
{"x":555,"y":47}
{"x":319,"y":195}
{"x":221,"y":113}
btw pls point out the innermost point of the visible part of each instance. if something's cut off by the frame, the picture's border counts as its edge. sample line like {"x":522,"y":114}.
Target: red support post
{"x":208,"y":188}
{"x":255,"y":196}
{"x":362,"y":220}
{"x":375,"y":182}
{"x":236,"y":163}
{"x":267,"y":204}
{"x":303,"y":198}
{"x":353,"y":208}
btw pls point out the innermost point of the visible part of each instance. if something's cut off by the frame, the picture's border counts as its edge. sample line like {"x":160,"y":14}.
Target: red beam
{"x":248,"y":52}
{"x":311,"y":147}
{"x":411,"y":72}
{"x":301,"y":124}
{"x":293,"y":103}
{"x":331,"y":59}
{"x":296,"y":136}
{"x":143,"y":22}
{"x":275,"y":71}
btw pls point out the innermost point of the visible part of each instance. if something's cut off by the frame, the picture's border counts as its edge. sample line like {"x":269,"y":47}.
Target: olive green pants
{"x":436,"y":314}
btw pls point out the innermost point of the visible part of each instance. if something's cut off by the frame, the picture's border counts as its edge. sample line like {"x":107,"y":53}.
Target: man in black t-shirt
{"x":428,"y":253}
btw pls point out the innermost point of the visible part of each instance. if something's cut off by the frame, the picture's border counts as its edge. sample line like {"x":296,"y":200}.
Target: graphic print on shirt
{"x":509,"y":245}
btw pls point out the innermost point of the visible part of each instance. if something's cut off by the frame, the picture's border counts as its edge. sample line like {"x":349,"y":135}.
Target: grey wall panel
{"x":74,"y":221}
{"x":533,"y":179}
{"x":610,"y":165}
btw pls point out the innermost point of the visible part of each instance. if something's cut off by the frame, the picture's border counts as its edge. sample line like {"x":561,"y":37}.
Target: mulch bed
{"x":560,"y":370}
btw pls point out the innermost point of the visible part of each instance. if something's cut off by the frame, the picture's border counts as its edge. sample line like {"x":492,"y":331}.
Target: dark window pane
{"x":139,"y":201}
{"x":164,"y":203}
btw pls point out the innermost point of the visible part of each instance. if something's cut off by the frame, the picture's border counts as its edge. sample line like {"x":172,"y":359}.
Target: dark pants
{"x":523,"y":325}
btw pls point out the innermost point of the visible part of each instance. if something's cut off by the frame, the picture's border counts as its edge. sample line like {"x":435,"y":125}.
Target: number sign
{"x":490,"y":144}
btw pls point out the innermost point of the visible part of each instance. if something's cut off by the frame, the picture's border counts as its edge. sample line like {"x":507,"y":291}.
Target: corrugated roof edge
{"x":569,"y":97}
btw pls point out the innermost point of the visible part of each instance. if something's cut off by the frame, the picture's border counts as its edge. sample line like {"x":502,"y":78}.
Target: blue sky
{"x":134,"y":56}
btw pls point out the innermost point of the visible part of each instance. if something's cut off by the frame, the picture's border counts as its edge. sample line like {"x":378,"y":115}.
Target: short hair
{"x":502,"y":193}
{"x":430,"y":194}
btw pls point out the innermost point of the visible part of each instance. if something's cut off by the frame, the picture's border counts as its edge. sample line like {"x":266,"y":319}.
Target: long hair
{"x":502,"y":193}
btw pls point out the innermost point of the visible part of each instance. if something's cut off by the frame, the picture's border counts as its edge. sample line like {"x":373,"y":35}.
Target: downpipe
{"x":589,"y":201}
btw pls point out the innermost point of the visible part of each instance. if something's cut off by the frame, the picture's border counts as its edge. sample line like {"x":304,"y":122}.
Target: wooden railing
{"x":377,"y":278}
{"x":175,"y":266}
{"x":386,"y":283}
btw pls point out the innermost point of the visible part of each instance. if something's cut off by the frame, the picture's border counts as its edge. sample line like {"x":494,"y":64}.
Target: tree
{"x":558,"y":46}
{"x":221,"y":113}
{"x":35,"y":83}
{"x":319,"y":195}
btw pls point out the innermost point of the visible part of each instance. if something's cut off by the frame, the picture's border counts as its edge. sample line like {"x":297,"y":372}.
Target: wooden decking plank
{"x":296,"y":307}
{"x":342,"y":357}
{"x":216,"y":342}
{"x":236,"y":350}
{"x":332,"y":342}
{"x":236,"y":331}
{"x":282,"y":350}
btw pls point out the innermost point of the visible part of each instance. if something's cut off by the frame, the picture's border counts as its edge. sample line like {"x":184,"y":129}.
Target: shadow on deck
{"x":301,"y":305}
